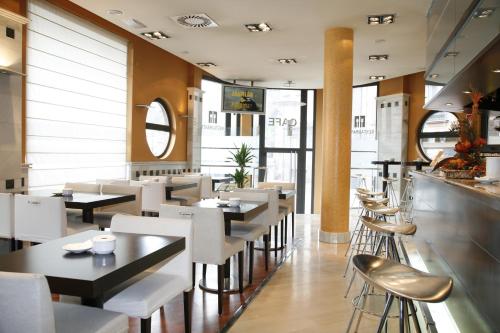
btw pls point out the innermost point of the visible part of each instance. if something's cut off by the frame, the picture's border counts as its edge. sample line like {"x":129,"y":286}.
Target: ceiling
{"x":298,"y":32}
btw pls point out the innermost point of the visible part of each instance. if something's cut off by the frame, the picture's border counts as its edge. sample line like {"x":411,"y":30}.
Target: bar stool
{"x":406,"y":203}
{"x":403,"y":282}
{"x":360,"y":183}
{"x":390,"y":192}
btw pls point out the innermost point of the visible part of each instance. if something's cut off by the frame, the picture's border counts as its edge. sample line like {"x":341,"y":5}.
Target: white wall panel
{"x":76,"y":99}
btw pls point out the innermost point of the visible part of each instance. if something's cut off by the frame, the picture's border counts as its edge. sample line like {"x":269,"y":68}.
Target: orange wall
{"x":153,"y":73}
{"x":414,"y":85}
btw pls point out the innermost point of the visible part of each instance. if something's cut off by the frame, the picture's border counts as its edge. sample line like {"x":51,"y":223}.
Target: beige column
{"x":337,"y":114}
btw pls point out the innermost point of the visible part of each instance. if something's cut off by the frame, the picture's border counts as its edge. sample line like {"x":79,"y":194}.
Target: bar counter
{"x":458,"y":224}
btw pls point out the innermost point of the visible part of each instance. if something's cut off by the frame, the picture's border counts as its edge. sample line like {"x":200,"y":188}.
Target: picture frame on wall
{"x":490,"y":130}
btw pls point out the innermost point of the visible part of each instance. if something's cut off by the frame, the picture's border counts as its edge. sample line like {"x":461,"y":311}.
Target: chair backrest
{"x":193,"y":192}
{"x":159,"y":179}
{"x":180,"y":265}
{"x":131,"y":207}
{"x":271,"y":185}
{"x":153,"y":194}
{"x":84,"y":187}
{"x":6,"y":215}
{"x":209,"y":236}
{"x":271,"y":215}
{"x":39,"y":219}
{"x":123,"y":182}
{"x":205,"y":185}
{"x":25,"y":304}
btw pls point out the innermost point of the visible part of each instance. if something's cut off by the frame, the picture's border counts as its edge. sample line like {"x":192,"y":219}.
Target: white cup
{"x":493,"y":167}
{"x":104,"y":244}
{"x":67,"y":192}
{"x":234,"y":202}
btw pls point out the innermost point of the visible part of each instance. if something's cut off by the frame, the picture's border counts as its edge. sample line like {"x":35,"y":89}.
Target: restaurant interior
{"x":233,"y":166}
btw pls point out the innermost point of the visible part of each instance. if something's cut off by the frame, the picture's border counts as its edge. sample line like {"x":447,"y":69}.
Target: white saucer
{"x":78,"y":247}
{"x":486,"y":180}
{"x":223,"y":203}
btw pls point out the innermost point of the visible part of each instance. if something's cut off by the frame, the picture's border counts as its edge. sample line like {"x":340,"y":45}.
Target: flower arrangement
{"x":467,"y":162}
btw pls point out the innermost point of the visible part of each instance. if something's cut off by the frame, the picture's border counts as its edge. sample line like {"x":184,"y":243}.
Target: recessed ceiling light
{"x":483,"y":12}
{"x":467,"y":92}
{"x":381,"y":19}
{"x":133,"y":23}
{"x":434,"y":76}
{"x":114,"y":12}
{"x":287,"y":61}
{"x":376,"y":57}
{"x":206,"y":64}
{"x":496,"y":70}
{"x":451,"y":54}
{"x":155,"y":35}
{"x":377,"y":77}
{"x":449,"y":104}
{"x":258,"y":27}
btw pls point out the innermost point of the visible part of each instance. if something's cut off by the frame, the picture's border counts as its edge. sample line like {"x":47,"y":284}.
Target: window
{"x":76,"y":99}
{"x":158,"y":131}
{"x":434,"y":134}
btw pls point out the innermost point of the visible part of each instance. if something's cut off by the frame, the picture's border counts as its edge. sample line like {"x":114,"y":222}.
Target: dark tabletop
{"x":94,"y":200}
{"x":387,"y":162}
{"x":87,"y":275}
{"x":416,"y":163}
{"x":169,"y":186}
{"x":285,"y":194}
{"x":246,"y":211}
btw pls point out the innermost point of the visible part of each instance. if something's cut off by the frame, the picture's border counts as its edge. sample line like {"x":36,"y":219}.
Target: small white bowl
{"x":104,"y":244}
{"x":234,"y":202}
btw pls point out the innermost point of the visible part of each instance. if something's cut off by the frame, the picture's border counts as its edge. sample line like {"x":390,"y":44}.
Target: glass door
{"x":281,"y":167}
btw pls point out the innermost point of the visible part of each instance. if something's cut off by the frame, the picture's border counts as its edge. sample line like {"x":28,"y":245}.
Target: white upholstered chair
{"x":103,"y":215}
{"x":205,"y":186}
{"x":287,"y":205}
{"x":84,"y":187}
{"x":153,"y":195}
{"x":40,"y":219}
{"x":210,"y":244}
{"x":190,"y":195}
{"x":7,"y":218}
{"x":251,"y":230}
{"x":149,"y":294}
{"x":159,"y":179}
{"x":122,"y":182}
{"x":26,"y":306}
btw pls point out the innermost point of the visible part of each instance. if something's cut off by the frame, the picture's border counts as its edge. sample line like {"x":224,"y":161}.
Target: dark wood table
{"x":172,"y":187}
{"x":286,"y":194}
{"x":385,"y":170}
{"x":417,"y":164}
{"x":220,"y":179}
{"x":245,"y":212}
{"x":89,"y":276}
{"x":88,"y":201}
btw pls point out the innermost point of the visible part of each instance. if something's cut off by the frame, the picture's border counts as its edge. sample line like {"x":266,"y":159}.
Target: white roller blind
{"x":76,"y":99}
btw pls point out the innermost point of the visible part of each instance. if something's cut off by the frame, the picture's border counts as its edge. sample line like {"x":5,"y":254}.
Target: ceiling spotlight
{"x":376,"y":57}
{"x":451,"y":54}
{"x":449,"y":104}
{"x":381,"y":19}
{"x":496,"y":70}
{"x":155,"y":35}
{"x":377,"y":77}
{"x":287,"y":61}
{"x":258,"y":27}
{"x":467,"y":92}
{"x":483,"y":12}
{"x":114,"y":12}
{"x":206,"y":64}
{"x":434,"y":76}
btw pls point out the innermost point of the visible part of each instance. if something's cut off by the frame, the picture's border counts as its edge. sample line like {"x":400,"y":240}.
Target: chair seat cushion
{"x":146,"y":296}
{"x":75,"y":227}
{"x":72,"y":318}
{"x":247,"y":231}
{"x":232,"y":245}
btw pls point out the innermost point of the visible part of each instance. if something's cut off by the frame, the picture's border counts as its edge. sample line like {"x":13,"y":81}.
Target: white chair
{"x":210,"y":244}
{"x":287,"y":205}
{"x":205,"y":186}
{"x":40,"y":219}
{"x":149,"y":294}
{"x":273,"y":217}
{"x":7,"y":218}
{"x":122,"y":182}
{"x":84,"y":187}
{"x":103,"y":215}
{"x":26,"y":306}
{"x":153,"y":195}
{"x":252,"y":230}
{"x":159,"y":179}
{"x":190,"y":195}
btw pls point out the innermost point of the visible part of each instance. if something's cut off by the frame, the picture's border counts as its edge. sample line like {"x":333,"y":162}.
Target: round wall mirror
{"x":158,"y":128}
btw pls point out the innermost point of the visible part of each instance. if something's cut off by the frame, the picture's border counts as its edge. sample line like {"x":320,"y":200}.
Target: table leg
{"x":168,"y":195}
{"x":95,"y":302}
{"x":88,"y":215}
{"x":385,"y":174}
{"x":227,"y":265}
{"x":418,"y":167}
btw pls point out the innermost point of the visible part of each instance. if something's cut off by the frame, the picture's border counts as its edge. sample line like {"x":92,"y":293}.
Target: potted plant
{"x":242,"y":157}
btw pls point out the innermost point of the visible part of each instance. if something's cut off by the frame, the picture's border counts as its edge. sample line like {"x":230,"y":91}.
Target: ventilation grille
{"x":195,"y":21}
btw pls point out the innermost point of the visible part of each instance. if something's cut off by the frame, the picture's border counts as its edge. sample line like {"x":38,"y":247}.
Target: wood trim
{"x":13,"y":16}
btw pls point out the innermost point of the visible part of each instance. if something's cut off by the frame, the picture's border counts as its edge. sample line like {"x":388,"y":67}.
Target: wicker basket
{"x":457,"y":174}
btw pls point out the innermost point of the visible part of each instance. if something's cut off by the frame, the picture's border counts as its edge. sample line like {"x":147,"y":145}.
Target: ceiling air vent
{"x":195,"y":21}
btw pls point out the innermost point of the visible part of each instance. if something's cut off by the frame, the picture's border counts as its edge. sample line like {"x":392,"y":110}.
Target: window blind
{"x":76,"y":99}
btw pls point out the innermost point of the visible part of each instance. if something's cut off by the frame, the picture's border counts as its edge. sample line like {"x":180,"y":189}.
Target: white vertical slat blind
{"x":76,"y":99}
